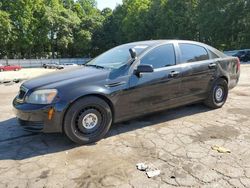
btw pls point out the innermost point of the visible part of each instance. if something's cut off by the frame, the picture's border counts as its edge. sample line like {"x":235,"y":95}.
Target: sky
{"x":101,"y":4}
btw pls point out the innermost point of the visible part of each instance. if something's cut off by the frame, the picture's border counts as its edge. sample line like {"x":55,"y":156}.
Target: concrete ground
{"x":178,"y":142}
{"x":23,"y":74}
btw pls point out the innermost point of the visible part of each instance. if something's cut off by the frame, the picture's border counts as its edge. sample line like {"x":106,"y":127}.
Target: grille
{"x":32,"y":126}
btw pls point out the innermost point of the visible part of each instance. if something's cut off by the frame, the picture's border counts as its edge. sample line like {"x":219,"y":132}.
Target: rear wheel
{"x":1,"y":70}
{"x":88,"y":120}
{"x":218,"y":94}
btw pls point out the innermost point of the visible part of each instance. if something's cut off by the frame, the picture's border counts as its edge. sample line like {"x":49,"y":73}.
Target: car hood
{"x":55,"y":79}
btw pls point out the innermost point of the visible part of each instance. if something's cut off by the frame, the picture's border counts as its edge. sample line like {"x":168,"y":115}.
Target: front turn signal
{"x":51,"y":113}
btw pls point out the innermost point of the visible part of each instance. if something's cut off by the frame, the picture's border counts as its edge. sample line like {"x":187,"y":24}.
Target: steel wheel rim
{"x":219,"y":94}
{"x":80,"y":125}
{"x":90,"y":121}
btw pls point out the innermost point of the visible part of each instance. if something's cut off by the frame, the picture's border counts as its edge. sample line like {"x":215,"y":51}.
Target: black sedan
{"x":128,"y":81}
{"x":243,"y":55}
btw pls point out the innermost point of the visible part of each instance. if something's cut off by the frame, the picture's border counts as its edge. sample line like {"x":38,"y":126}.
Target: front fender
{"x":88,"y":90}
{"x":69,"y":97}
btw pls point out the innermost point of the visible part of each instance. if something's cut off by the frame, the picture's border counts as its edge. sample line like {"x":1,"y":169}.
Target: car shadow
{"x":156,"y":118}
{"x":17,"y":144}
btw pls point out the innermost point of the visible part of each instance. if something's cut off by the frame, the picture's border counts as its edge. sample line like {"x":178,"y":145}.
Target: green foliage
{"x":5,"y":32}
{"x":60,"y":24}
{"x":220,"y":23}
{"x":76,"y":28}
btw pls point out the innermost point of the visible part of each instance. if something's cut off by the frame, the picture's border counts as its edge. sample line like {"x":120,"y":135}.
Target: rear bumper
{"x":33,"y":117}
{"x":234,"y":80}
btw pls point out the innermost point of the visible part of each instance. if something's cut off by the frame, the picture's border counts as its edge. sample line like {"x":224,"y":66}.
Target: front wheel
{"x":218,"y":94}
{"x":88,"y":120}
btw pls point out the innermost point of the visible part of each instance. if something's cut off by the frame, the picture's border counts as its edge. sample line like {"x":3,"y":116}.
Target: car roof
{"x":153,"y":43}
{"x":147,"y":42}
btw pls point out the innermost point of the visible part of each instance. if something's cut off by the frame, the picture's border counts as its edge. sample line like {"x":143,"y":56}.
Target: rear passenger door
{"x":197,"y":70}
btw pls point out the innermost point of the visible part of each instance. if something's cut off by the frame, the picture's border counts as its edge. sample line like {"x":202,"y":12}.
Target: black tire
{"x":1,"y":70}
{"x":218,"y":94}
{"x":76,"y":125}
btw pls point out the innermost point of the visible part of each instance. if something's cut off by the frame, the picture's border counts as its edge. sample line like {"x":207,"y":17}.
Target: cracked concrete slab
{"x":178,"y":142}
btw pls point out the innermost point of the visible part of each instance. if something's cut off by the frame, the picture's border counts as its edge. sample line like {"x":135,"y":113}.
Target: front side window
{"x":192,"y":53}
{"x":161,"y":56}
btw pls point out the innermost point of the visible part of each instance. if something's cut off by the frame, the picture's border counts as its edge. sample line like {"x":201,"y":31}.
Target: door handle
{"x":212,"y":65}
{"x":173,"y":74}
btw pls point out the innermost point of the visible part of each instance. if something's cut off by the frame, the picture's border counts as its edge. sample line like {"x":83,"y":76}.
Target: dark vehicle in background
{"x":125,"y":82}
{"x":47,"y":65}
{"x":10,"y":68}
{"x":50,"y":65}
{"x":243,"y":55}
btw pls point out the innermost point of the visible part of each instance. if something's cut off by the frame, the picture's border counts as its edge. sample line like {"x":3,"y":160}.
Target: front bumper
{"x":34,"y":117}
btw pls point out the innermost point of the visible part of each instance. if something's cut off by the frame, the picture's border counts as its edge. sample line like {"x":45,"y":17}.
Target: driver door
{"x":154,"y":91}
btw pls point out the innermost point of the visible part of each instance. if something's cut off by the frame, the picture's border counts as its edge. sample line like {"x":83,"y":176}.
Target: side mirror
{"x":132,"y":53}
{"x":144,"y":69}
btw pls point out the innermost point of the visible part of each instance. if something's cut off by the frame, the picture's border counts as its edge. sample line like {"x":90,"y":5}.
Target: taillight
{"x":238,"y":65}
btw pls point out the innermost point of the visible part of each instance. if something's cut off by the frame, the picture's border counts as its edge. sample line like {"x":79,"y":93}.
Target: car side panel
{"x":227,"y":67}
{"x":148,"y":93}
{"x":196,"y":78}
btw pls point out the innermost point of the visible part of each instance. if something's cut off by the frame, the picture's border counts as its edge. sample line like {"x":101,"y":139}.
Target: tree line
{"x":76,"y":28}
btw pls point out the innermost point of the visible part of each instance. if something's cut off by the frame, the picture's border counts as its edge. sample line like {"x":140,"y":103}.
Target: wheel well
{"x":90,"y":95}
{"x":103,"y":98}
{"x":225,"y":78}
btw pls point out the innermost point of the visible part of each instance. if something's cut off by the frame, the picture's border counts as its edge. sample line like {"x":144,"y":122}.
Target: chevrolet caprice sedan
{"x":125,"y":82}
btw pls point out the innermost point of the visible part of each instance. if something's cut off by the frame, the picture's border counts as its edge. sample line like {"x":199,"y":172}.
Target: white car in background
{"x":66,"y":65}
{"x":59,"y":66}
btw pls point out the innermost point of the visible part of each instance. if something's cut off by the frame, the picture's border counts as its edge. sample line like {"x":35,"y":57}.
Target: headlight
{"x":45,"y":96}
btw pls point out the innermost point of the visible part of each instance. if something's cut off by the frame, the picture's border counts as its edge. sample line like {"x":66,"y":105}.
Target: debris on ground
{"x":11,"y":82}
{"x":142,"y":166}
{"x":150,"y":170}
{"x":153,"y":173}
{"x":221,"y":149}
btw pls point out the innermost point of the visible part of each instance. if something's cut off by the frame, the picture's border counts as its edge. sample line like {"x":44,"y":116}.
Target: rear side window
{"x":192,"y":53}
{"x":161,"y":56}
{"x":213,"y":55}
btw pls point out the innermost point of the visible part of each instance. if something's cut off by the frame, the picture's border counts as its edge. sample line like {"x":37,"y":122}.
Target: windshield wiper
{"x":96,"y":66}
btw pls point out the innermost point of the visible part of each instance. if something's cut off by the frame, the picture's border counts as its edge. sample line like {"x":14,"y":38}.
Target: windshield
{"x":116,"y":57}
